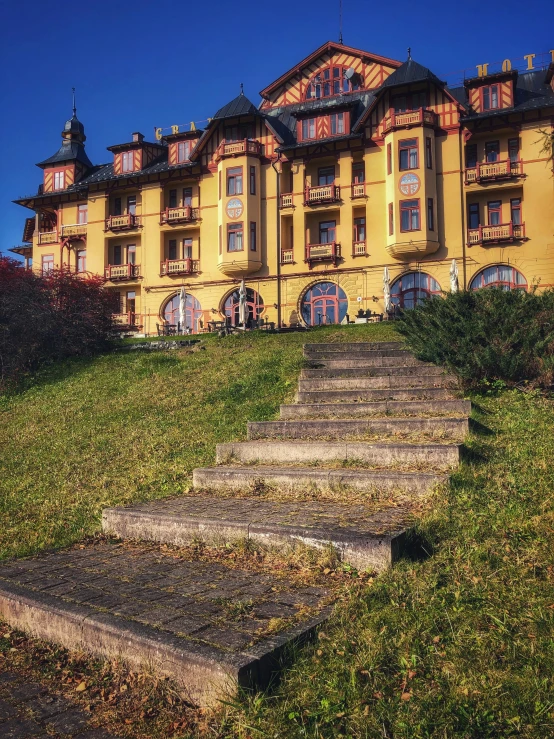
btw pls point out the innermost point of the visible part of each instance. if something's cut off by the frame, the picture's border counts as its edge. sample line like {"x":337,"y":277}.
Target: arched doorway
{"x":499,"y":275}
{"x":323,"y":303}
{"x":412,"y":288}
{"x":193,"y":312}
{"x":254,"y":305}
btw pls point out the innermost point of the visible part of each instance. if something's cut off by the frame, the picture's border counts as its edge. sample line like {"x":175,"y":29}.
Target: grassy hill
{"x":458,"y":645}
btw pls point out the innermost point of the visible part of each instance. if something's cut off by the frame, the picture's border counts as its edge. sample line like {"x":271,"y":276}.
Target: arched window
{"x":324,"y":302}
{"x":254,"y":304}
{"x":410,"y":289}
{"x":332,"y":80}
{"x":193,"y":311}
{"x":506,"y":278}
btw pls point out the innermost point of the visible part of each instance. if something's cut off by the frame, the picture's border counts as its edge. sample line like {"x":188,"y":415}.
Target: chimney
{"x":138,"y":136}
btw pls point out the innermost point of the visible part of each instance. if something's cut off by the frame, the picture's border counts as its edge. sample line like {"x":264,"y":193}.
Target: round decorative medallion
{"x":409,"y":184}
{"x":234,"y":208}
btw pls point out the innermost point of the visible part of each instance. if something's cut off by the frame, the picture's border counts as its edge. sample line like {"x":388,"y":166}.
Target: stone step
{"x":354,"y":362}
{"x":389,"y":381}
{"x":170,"y":612}
{"x":292,"y":478}
{"x":355,"y":346}
{"x":324,"y":355}
{"x":310,"y":397}
{"x":341,"y":429}
{"x":390,"y":407}
{"x":421,"y":370}
{"x":385,"y":455}
{"x":363,"y":538}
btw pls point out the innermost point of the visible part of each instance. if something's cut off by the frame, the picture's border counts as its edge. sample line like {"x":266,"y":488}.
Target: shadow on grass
{"x":417,"y":546}
{"x":50,"y":374}
{"x":478,"y":428}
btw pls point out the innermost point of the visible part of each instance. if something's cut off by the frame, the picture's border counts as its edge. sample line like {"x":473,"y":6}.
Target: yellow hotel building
{"x":351,"y":162}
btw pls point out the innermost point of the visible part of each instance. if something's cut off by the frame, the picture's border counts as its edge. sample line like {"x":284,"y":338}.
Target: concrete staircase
{"x":372,"y":431}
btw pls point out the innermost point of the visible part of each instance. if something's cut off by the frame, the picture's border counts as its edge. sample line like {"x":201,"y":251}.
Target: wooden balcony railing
{"x":186,"y":214}
{"x":410,"y":118}
{"x":323,"y":253}
{"x":287,"y":256}
{"x":74,"y":229}
{"x":358,"y":190}
{"x":235,"y":148}
{"x":321,"y":194}
{"x":286,"y":200}
{"x":122,"y":271}
{"x":501,"y":170}
{"x":493,"y":234}
{"x":185,"y":266}
{"x":48,"y":237}
{"x":126,"y":320}
{"x":120,"y":223}
{"x":358,"y":249}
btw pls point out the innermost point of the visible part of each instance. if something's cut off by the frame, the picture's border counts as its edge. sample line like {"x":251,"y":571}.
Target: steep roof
{"x":69,"y":151}
{"x":531,"y":92}
{"x":241,"y":105}
{"x":411,"y":72}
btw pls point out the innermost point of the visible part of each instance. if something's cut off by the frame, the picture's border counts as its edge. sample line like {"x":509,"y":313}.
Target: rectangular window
{"x":327,"y":232}
{"x":127,"y":161}
{"x":252,"y":180}
{"x":172,"y":249}
{"x":117,"y":207}
{"x":132,"y":254}
{"x":428,"y":153}
{"x":337,"y":124}
{"x":513,"y":150}
{"x":490,"y":97}
{"x":515,"y":211}
{"x":473,"y":215}
{"x":253,"y":245}
{"x":81,"y":260}
{"x":408,"y":154}
{"x":234,"y":181}
{"x":187,"y":248}
{"x":131,"y":298}
{"x":412,"y":101}
{"x":308,"y":128}
{"x":238,"y":133}
{"x":187,"y":196}
{"x":495,"y":212}
{"x":82,"y":214}
{"x":183,"y":151}
{"x":430,"y":215}
{"x":471,"y":155}
{"x":234,"y":237}
{"x":389,"y":158}
{"x":173,"y":198}
{"x":359,"y":229}
{"x":358,"y":173}
{"x":409,"y":215}
{"x":47,"y":263}
{"x":117,"y":254}
{"x":492,"y":151}
{"x":59,"y":180}
{"x":391,"y":219}
{"x":325,"y":175}
{"x":132,"y":205}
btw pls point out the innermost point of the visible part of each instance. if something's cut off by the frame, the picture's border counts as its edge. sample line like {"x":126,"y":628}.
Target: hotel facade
{"x":351,"y":162}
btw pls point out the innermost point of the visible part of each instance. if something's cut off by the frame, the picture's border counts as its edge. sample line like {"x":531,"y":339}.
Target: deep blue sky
{"x":142,"y":64}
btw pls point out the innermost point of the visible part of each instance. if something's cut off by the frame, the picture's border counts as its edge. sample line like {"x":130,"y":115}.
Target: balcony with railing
{"x":122,"y":223}
{"x":287,"y":256}
{"x":321,"y":194}
{"x":185,"y":266}
{"x":359,"y":249}
{"x":129,"y":321}
{"x":185,"y":214}
{"x":74,"y":230}
{"x":323,"y":253}
{"x":358,"y":190}
{"x":491,"y":171}
{"x":118,"y":272}
{"x":286,"y":200}
{"x":410,"y":118}
{"x":494,"y":234}
{"x":236,"y":148}
{"x":48,"y":237}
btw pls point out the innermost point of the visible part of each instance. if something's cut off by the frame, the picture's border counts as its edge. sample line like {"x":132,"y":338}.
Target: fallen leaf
{"x":406,"y":696}
{"x":436,"y":639}
{"x":82,"y":686}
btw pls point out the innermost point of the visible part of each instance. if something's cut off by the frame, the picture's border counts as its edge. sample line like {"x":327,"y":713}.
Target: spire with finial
{"x":74,"y":106}
{"x":340,"y":21}
{"x":409,"y":53}
{"x":241,"y":89}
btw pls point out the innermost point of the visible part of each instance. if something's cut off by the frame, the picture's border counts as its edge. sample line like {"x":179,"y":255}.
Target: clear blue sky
{"x":142,"y":64}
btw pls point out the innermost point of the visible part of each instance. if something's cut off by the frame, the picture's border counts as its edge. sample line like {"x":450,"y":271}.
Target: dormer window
{"x":490,"y":97}
{"x":183,"y":151}
{"x":59,"y":180}
{"x":334,"y":80}
{"x":337,"y":124}
{"x":127,"y":161}
{"x":324,"y":126}
{"x":238,"y":133}
{"x":308,"y":129}
{"x":412,"y":101}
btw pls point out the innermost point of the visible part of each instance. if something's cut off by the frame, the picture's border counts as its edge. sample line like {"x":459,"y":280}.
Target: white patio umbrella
{"x":243,"y":308}
{"x":182,"y":311}
{"x":386,"y":290}
{"x":453,"y":277}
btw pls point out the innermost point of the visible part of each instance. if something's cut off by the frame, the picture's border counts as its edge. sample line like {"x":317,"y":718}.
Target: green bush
{"x":486,"y":336}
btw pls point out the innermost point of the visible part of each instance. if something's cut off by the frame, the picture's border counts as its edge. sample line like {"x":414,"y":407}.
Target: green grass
{"x":131,"y":426}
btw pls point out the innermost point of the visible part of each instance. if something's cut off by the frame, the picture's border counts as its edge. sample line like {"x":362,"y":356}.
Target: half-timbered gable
{"x":135,"y":155}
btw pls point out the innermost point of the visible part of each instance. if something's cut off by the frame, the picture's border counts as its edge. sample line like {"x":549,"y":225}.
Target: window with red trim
{"x":337,"y":124}
{"x":408,"y":154}
{"x":332,"y":81}
{"x":47,"y":263}
{"x":471,"y":155}
{"x":252,"y":180}
{"x":183,"y":151}
{"x":513,"y":150}
{"x":132,"y":254}
{"x":492,"y":151}
{"x":325,"y":175}
{"x":473,"y":215}
{"x":359,"y":229}
{"x":239,"y":133}
{"x":428,"y":153}
{"x":187,"y":196}
{"x":187,"y":248}
{"x":490,"y":97}
{"x":308,"y":129}
{"x":234,"y":181}
{"x":494,"y":209}
{"x":172,"y":250}
{"x":132,"y":205}
{"x":389,"y":158}
{"x":59,"y":180}
{"x":412,"y":101}
{"x":327,"y":232}
{"x":235,"y":237}
{"x":82,"y":214}
{"x":358,"y":173}
{"x":117,"y":254}
{"x":253,"y":245}
{"x":173,"y":198}
{"x":500,"y":275}
{"x":81,"y":260}
{"x":430,"y":214}
{"x":515,"y":211}
{"x":409,"y":215}
{"x":391,"y":219}
{"x":127,"y":161}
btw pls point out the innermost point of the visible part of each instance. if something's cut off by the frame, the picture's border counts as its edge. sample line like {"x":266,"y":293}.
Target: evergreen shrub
{"x":486,"y":336}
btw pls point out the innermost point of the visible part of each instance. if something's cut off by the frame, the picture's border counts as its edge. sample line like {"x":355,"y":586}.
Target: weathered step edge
{"x":384,"y":371}
{"x":355,"y":346}
{"x":392,"y":407}
{"x":205,"y":673}
{"x":363,"y":550}
{"x":405,"y":382}
{"x":366,"y":394}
